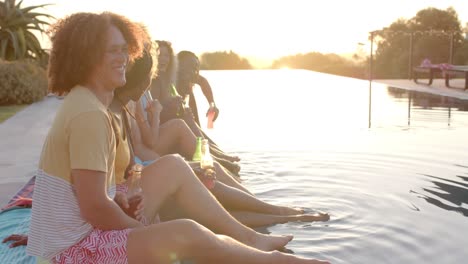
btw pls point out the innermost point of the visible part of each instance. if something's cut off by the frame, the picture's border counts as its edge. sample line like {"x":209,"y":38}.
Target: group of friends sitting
{"x":129,"y":100}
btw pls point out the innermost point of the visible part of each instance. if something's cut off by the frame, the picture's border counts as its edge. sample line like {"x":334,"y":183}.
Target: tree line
{"x":432,"y":34}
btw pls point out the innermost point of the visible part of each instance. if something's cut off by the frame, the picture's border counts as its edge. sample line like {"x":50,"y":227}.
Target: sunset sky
{"x":258,"y":29}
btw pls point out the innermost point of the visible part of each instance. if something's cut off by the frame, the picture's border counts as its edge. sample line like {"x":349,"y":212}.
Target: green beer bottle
{"x":197,"y":156}
{"x":174,"y":93}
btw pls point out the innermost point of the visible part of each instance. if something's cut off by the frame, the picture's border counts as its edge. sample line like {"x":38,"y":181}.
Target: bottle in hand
{"x":206,"y":161}
{"x":174,"y":93}
{"x":134,"y":186}
{"x":206,"y":164}
{"x":210,"y":115}
{"x":197,"y":155}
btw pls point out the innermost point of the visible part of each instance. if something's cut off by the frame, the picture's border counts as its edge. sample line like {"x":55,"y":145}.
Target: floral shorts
{"x":103,"y":247}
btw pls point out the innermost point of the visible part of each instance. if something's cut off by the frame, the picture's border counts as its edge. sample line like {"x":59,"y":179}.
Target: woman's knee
{"x":176,"y":165}
{"x":182,"y":126}
{"x":172,"y":160}
{"x":189,"y":226}
{"x":166,"y":165}
{"x":193,"y":235}
{"x":176,"y":124}
{"x":182,"y":237}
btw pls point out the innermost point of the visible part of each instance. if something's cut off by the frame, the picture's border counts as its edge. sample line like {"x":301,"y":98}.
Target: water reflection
{"x":447,"y":194}
{"x":427,"y":100}
{"x":420,"y":101}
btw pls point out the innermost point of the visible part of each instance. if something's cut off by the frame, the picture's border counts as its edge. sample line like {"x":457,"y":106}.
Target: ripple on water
{"x":377,"y":205}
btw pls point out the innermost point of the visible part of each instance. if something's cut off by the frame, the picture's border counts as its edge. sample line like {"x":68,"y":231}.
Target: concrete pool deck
{"x":21,"y":139}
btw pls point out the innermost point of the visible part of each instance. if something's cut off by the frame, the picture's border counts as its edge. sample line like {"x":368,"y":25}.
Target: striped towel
{"x":23,"y":198}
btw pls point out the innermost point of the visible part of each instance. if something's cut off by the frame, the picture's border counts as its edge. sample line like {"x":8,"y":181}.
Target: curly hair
{"x":79,"y":43}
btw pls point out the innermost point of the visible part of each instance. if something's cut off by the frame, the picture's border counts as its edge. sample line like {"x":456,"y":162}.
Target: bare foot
{"x":311,"y":218}
{"x":230,"y":166}
{"x":233,"y":158}
{"x":269,"y":242}
{"x":284,"y":210}
{"x":235,"y":169}
{"x":237,"y":178}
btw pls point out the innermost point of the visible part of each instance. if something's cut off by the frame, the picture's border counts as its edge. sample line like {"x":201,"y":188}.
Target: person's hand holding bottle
{"x":187,"y":113}
{"x":174,"y":104}
{"x":153,"y":108}
{"x":212,"y":114}
{"x":132,"y":202}
{"x":213,"y":110}
{"x":132,"y":206}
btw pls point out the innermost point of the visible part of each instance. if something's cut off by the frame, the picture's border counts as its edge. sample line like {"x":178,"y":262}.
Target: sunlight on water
{"x":397,"y":192}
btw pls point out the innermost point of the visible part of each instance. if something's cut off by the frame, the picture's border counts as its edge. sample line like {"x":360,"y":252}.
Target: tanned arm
{"x":96,"y":207}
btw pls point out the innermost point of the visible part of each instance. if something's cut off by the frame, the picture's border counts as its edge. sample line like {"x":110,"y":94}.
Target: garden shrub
{"x":21,"y":82}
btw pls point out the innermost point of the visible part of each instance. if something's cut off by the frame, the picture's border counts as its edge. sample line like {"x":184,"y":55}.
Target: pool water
{"x":394,"y":179}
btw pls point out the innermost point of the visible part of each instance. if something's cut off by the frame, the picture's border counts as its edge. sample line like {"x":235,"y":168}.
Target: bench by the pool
{"x":456,"y":70}
{"x":425,"y":70}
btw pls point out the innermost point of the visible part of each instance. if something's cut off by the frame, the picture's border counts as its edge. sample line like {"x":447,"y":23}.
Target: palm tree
{"x":16,"y":23}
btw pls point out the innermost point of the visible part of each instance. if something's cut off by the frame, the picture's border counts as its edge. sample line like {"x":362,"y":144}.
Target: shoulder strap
{"x":115,"y":128}
{"x":128,"y":130}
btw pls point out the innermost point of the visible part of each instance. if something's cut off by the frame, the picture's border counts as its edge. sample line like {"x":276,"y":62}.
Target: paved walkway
{"x":21,"y":139}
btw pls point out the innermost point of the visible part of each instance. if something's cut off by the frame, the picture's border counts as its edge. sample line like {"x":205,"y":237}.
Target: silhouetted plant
{"x":16,"y":25}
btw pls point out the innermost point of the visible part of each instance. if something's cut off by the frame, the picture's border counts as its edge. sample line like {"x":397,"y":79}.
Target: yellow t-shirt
{"x":81,"y":137}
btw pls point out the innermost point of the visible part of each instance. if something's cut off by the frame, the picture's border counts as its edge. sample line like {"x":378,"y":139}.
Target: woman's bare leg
{"x":230,"y":166}
{"x":234,"y":199}
{"x":172,"y":177}
{"x":175,"y":134}
{"x":198,"y":132}
{"x":185,"y":239}
{"x":253,"y":220}
{"x":223,"y":176}
{"x":170,"y":211}
{"x":215,"y":151}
